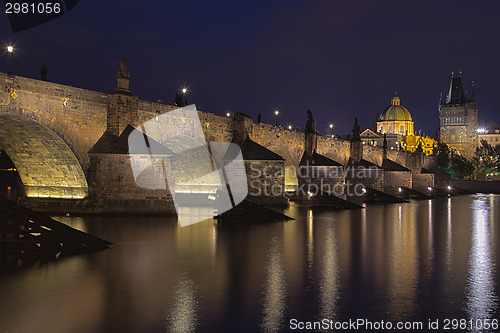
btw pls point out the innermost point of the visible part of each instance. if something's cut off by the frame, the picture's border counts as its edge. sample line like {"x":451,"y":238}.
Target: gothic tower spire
{"x":473,"y":94}
{"x":456,"y":93}
{"x":459,"y":118}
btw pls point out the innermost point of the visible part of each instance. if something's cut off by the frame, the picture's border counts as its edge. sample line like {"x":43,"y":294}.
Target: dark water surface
{"x":422,"y":260}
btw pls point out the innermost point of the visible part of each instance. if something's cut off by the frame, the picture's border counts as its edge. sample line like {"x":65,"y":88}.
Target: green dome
{"x":395,"y":112}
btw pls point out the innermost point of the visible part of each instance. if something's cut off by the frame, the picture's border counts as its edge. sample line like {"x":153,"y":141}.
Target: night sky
{"x":338,"y":58}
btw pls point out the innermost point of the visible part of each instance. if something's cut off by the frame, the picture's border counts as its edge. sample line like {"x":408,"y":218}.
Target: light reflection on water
{"x":449,"y":238}
{"x":329,"y":275}
{"x":481,"y":297}
{"x":183,"y":316}
{"x":416,"y":261}
{"x":310,"y":247}
{"x":274,"y":289}
{"x":403,"y":266}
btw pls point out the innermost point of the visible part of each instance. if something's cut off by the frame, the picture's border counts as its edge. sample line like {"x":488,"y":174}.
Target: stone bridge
{"x":47,"y":130}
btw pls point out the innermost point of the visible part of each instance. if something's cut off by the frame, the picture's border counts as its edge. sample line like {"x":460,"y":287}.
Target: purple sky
{"x":338,"y":58}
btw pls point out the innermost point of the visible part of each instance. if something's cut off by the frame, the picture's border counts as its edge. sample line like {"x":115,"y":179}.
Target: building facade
{"x":397,"y":125}
{"x":395,"y":119}
{"x":490,"y":134}
{"x":458,"y":116}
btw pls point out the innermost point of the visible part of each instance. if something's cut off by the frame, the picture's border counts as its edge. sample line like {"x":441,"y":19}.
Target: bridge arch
{"x":45,"y":163}
{"x":291,"y":180}
{"x":41,"y":118}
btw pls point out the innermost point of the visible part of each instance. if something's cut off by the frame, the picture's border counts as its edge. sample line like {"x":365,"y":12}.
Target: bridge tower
{"x":458,"y":116}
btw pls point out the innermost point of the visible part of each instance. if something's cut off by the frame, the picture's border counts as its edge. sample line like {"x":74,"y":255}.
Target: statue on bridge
{"x":123,"y":78}
{"x":180,"y":99}
{"x":123,"y":71}
{"x":356,"y":130}
{"x":310,"y":125}
{"x":310,"y":116}
{"x":43,"y":73}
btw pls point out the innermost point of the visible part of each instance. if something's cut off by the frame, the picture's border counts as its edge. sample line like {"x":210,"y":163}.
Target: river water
{"x":422,"y":261}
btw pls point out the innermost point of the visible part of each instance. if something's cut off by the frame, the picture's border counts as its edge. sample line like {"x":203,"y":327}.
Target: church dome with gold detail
{"x":395,"y":119}
{"x":395,"y":111}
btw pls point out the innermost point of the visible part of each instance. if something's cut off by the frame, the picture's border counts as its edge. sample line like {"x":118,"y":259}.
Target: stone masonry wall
{"x":393,"y":180}
{"x":83,"y":121}
{"x":266,"y":182}
{"x":366,"y":177}
{"x":79,"y":124}
{"x":113,"y":187}
{"x":422,"y":181}
{"x":46,"y":165}
{"x":322,"y":180}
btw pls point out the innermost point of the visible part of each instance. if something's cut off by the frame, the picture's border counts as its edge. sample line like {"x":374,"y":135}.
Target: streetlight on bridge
{"x":330,"y":126}
{"x":10,"y":49}
{"x":276,"y":113}
{"x":180,"y":97}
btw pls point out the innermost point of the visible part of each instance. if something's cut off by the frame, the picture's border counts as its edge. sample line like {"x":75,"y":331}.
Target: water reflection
{"x":310,"y":245}
{"x":77,"y":222}
{"x":274,"y":290}
{"x":428,"y":259}
{"x":403,"y":269}
{"x":412,"y":261}
{"x":481,"y":299}
{"x":449,"y":238}
{"x":183,"y":315}
{"x":364,"y":246}
{"x":54,"y":298}
{"x":329,"y":276}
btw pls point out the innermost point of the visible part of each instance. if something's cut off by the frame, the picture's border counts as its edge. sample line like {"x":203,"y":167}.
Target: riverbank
{"x":478,"y":186}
